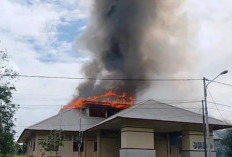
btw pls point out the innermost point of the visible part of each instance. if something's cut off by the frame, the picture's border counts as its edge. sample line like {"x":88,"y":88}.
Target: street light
{"x":222,"y":73}
{"x":206,"y":111}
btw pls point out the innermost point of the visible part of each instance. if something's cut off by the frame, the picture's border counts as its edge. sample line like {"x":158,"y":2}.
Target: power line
{"x":38,"y":107}
{"x":37,"y":94}
{"x":43,"y":99}
{"x":174,"y":102}
{"x":163,"y":101}
{"x":216,"y":105}
{"x":143,"y":108}
{"x":220,"y":104}
{"x":169,"y":102}
{"x":136,"y":108}
{"x":222,"y":83}
{"x":140,"y":108}
{"x":32,"y":108}
{"x":48,"y":98}
{"x":101,"y":79}
{"x":112,"y":79}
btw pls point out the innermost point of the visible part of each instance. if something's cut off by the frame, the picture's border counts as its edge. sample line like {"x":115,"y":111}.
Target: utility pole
{"x":0,"y":112}
{"x":80,"y":140}
{"x":60,"y":136}
{"x":203,"y":113}
{"x":206,"y":120}
{"x":206,"y":110}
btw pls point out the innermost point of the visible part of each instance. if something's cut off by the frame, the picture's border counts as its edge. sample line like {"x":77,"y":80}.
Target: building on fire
{"x":149,"y":129}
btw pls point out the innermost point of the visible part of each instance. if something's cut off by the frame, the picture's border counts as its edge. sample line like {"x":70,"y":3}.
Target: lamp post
{"x":203,"y":113}
{"x":206,"y":111}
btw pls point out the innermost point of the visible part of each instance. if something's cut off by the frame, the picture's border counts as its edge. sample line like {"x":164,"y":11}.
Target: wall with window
{"x":69,"y":148}
{"x":107,"y":145}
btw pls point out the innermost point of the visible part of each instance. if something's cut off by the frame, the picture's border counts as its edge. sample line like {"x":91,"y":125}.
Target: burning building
{"x":149,"y":129}
{"x":128,"y":40}
{"x":103,"y":105}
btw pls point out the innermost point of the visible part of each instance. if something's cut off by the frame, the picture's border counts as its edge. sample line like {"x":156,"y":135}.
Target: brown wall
{"x":108,"y":145}
{"x":161,"y":145}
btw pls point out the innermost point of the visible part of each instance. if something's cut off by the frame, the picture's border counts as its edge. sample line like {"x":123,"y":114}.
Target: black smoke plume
{"x":133,"y":39}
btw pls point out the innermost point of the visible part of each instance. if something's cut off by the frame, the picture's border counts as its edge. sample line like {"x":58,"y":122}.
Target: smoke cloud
{"x":134,"y":39}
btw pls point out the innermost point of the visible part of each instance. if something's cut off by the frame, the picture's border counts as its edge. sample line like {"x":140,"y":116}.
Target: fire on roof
{"x":108,"y":100}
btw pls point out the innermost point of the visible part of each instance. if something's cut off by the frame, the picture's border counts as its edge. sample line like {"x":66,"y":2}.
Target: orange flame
{"x":108,"y":99}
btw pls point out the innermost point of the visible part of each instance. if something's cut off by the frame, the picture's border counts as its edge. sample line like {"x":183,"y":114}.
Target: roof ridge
{"x":131,"y":108}
{"x":190,"y":111}
{"x":144,"y":103}
{"x":123,"y":114}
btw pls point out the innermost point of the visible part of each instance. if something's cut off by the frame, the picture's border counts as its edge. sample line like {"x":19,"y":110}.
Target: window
{"x":95,"y":146}
{"x":33,"y":145}
{"x":76,"y":146}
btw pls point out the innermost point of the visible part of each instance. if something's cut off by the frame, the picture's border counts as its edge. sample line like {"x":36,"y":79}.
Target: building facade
{"x":150,"y":129}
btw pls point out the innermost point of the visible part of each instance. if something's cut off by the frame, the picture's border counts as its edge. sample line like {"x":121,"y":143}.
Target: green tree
{"x":7,"y":108}
{"x":227,"y":142}
{"x":52,"y":143}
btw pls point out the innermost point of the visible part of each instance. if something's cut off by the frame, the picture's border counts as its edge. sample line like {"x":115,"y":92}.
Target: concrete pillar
{"x":137,"y":142}
{"x":193,"y":142}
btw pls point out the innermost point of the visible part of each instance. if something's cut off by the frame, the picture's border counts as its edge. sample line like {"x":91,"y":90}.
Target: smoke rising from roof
{"x":134,"y":39}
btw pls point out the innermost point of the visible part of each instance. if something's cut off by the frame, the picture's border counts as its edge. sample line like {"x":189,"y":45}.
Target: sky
{"x":41,"y":39}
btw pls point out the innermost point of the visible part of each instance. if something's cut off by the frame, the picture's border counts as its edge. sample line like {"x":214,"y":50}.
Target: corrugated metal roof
{"x":154,"y":110}
{"x":67,"y":121}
